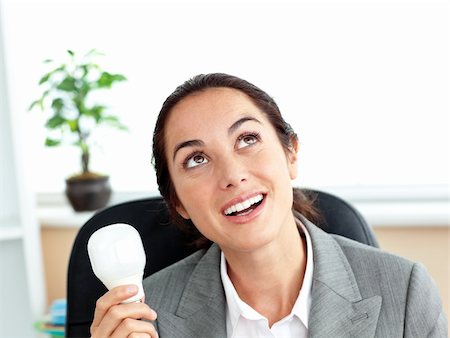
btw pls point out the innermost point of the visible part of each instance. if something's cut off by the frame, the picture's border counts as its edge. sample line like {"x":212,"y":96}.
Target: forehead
{"x":209,"y":108}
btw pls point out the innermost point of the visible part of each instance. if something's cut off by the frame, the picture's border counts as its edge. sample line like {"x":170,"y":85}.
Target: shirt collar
{"x":236,"y":307}
{"x":303,"y":304}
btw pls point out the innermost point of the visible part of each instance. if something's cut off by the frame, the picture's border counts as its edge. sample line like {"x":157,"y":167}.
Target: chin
{"x":251,"y":242}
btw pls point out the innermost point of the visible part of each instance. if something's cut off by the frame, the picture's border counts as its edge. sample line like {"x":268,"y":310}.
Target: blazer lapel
{"x":337,"y":308}
{"x":334,"y":316}
{"x":202,"y":308}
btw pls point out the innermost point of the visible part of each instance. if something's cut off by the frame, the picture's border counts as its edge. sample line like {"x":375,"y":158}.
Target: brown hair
{"x":199,"y":83}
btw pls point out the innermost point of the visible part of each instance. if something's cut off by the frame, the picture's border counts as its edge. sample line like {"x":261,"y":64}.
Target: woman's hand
{"x":113,"y":319}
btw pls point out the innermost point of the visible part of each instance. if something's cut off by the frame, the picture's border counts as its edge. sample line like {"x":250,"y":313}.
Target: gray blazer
{"x":358,"y":291}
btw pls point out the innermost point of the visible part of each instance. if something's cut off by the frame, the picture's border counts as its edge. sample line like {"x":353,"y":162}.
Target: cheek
{"x":205,"y":222}
{"x":271,"y":161}
{"x":192,"y":194}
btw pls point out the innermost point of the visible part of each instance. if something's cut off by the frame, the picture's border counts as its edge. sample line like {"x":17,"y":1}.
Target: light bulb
{"x":117,"y":257}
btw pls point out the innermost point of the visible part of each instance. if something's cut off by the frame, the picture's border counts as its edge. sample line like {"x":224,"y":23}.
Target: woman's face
{"x":230,"y":172}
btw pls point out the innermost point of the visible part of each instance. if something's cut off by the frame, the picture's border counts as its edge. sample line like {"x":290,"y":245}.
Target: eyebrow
{"x":191,"y":143}
{"x":239,"y":122}
{"x":198,"y":143}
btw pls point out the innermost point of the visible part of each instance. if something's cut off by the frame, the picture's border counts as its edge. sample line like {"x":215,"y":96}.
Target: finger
{"x":118,"y":313}
{"x":139,"y":335}
{"x":113,"y":297}
{"x":135,"y":328}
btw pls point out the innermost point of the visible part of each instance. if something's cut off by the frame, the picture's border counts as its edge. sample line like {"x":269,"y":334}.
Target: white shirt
{"x":244,"y":322}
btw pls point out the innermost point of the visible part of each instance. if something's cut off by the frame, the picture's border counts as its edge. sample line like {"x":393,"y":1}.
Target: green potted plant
{"x":74,"y":115}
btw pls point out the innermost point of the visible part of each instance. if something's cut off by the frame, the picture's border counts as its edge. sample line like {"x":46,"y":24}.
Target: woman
{"x":224,"y":159}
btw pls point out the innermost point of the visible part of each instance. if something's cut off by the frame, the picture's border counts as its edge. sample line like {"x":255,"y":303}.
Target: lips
{"x":244,"y":206}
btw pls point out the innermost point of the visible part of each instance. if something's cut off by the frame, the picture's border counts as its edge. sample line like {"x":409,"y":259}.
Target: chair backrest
{"x":164,"y":244}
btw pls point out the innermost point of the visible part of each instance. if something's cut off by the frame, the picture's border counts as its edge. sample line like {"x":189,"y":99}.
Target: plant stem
{"x":85,"y":159}
{"x":85,"y":155}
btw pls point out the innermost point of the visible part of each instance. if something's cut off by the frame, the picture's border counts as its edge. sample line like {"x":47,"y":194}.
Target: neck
{"x":269,"y":279}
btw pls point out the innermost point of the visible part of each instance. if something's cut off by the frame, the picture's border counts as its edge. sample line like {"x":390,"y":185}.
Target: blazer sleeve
{"x":424,"y":315}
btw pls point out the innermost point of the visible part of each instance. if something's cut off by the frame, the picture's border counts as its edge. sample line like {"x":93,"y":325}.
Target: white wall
{"x":364,"y":83}
{"x":22,"y":292}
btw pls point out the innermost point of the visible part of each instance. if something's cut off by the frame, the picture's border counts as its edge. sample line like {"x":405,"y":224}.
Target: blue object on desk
{"x":58,"y":312}
{"x":52,"y":330}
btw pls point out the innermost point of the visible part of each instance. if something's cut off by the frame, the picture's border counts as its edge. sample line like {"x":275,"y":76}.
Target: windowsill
{"x":381,"y":207}
{"x":55,"y":211}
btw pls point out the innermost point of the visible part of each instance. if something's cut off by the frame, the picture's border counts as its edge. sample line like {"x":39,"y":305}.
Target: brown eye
{"x":195,"y":160}
{"x":198,"y":159}
{"x":246,"y":140}
{"x":249,"y":139}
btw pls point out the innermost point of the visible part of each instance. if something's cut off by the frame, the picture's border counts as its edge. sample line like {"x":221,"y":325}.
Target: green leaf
{"x":71,"y":53}
{"x":107,"y":79}
{"x":110,"y":118}
{"x":47,"y":61}
{"x":60,"y":68}
{"x":119,"y":77}
{"x":85,"y":69}
{"x":55,"y":122}
{"x":58,"y":104}
{"x":51,"y":142}
{"x":45,"y":77}
{"x":85,"y":87}
{"x":113,"y":121}
{"x":73,"y":125}
{"x":68,"y":84}
{"x":94,"y":52}
{"x":33,"y":104}
{"x":96,"y":112}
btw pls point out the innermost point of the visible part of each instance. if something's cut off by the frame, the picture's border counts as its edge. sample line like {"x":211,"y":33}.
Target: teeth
{"x":244,"y":205}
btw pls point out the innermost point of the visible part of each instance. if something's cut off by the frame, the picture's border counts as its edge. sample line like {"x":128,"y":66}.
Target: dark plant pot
{"x":88,"y":194}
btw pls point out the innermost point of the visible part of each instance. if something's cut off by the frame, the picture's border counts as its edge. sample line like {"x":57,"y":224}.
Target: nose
{"x":231,"y":173}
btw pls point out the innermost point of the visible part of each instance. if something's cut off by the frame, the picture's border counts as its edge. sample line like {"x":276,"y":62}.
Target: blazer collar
{"x":337,"y":308}
{"x":202,"y":308}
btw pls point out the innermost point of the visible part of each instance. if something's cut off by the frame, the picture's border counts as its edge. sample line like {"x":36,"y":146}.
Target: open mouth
{"x":246,"y":207}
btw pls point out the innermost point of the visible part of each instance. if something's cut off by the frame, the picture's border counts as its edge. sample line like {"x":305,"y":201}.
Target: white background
{"x":364,"y":83}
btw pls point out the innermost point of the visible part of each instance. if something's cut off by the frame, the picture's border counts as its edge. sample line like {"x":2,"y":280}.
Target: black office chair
{"x":165,"y":244}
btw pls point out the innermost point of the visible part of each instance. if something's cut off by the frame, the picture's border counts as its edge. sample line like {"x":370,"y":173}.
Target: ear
{"x":292,"y":158}
{"x":182,"y":211}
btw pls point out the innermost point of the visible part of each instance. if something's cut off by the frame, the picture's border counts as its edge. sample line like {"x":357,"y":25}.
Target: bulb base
{"x":134,"y":279}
